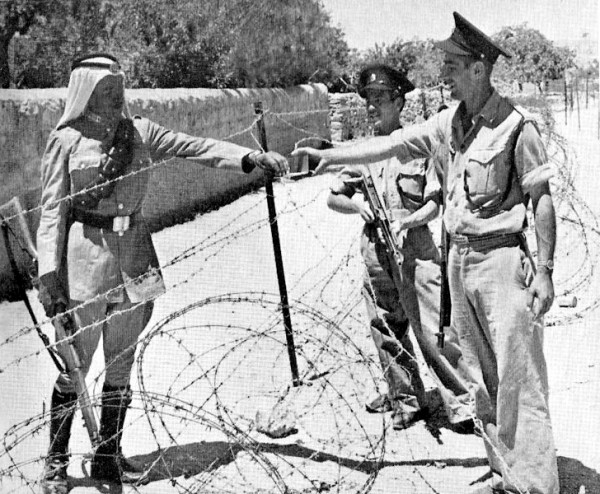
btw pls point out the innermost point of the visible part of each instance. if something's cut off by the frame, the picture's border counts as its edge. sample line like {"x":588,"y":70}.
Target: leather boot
{"x":62,"y":409}
{"x":109,"y":463}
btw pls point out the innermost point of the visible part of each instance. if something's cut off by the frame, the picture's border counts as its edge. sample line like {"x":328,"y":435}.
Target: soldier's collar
{"x":490,"y":109}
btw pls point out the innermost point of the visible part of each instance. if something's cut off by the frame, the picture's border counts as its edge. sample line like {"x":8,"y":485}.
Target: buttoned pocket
{"x":83,"y":171}
{"x":486,"y":175}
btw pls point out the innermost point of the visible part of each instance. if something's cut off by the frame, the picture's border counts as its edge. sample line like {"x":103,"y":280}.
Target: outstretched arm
{"x":369,"y":151}
{"x":214,"y":153}
{"x":416,"y":141}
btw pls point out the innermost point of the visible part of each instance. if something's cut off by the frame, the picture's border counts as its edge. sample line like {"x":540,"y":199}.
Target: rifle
{"x":382,"y":219}
{"x":69,"y":361}
{"x":65,"y":329}
{"x":445,"y":303}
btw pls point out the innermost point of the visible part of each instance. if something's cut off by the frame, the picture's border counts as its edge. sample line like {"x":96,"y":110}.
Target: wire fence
{"x":213,"y":362}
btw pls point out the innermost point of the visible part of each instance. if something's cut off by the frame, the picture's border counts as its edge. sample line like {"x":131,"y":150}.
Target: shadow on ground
{"x":196,"y":458}
{"x":193,"y":459}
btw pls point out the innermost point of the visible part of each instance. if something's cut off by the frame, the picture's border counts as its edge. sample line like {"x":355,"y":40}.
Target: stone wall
{"x":348,"y":113}
{"x":180,"y":188}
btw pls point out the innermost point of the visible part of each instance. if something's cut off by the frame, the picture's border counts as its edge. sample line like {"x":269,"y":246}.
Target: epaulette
{"x":527,"y":117}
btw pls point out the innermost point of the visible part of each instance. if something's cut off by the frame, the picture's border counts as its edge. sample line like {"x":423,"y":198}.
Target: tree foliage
{"x":230,"y":43}
{"x":17,"y":16}
{"x":191,"y":43}
{"x":418,"y":59}
{"x":534,"y":58}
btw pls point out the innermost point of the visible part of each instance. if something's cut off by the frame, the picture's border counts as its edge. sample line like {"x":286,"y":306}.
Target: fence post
{"x":285,"y":307}
{"x":566,"y":100}
{"x":577,"y":97}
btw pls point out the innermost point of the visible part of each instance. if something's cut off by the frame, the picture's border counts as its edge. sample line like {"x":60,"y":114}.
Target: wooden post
{"x":424,"y":105}
{"x":587,"y":80}
{"x":566,"y":99}
{"x":577,"y":98}
{"x":571,"y":97}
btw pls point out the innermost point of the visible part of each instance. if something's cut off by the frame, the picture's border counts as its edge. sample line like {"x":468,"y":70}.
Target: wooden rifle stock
{"x":65,"y":329}
{"x":445,"y":302}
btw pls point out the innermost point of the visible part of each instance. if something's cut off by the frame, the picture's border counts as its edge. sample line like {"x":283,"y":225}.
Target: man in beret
{"x":95,"y":252}
{"x":498,"y":166}
{"x":398,"y":295}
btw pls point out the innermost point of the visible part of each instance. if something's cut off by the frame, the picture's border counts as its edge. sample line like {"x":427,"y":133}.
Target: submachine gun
{"x":383,"y":223}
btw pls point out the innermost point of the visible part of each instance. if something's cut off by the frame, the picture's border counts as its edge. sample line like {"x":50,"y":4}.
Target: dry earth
{"x":214,"y":355}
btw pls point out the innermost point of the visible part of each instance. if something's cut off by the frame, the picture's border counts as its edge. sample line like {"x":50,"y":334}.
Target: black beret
{"x":467,"y":40}
{"x":380,"y":76}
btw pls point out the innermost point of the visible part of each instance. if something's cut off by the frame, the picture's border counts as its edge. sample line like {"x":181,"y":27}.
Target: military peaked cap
{"x":467,"y":40}
{"x":380,"y":76}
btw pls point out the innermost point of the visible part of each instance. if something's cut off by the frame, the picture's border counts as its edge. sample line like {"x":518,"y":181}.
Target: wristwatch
{"x":549,"y":264}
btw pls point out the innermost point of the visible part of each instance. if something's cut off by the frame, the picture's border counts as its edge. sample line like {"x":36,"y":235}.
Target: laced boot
{"x":62,"y":409}
{"x":108,"y":463}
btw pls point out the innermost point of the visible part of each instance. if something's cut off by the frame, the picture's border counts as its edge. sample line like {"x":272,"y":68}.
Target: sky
{"x":368,"y":22}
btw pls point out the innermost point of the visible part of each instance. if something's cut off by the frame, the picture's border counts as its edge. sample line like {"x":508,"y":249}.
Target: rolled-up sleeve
{"x":531,"y":159}
{"x":164,"y":143}
{"x":51,"y":234}
{"x":421,"y":141}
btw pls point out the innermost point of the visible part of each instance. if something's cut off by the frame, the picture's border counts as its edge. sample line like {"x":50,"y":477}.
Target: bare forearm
{"x":341,"y":203}
{"x":545,"y":226}
{"x":421,"y":216}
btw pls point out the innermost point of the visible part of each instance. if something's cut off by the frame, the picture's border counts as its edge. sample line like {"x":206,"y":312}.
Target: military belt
{"x":117,"y":224}
{"x":487,"y":241}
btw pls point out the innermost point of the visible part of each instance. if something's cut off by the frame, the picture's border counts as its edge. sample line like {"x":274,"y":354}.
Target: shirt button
{"x":120,"y":206}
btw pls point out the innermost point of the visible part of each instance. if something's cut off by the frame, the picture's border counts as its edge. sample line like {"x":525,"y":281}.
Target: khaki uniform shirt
{"x":403,"y":187}
{"x":480,"y":161}
{"x":93,"y":260}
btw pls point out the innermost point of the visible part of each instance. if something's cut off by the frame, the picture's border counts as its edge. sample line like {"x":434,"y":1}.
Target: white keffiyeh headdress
{"x":86,"y":73}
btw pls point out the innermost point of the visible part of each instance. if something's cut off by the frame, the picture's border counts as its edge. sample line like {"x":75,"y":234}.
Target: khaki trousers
{"x":503,"y":347}
{"x":120,"y":326}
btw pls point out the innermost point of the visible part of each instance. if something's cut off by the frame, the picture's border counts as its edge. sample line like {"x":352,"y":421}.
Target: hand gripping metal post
{"x":285,"y":308}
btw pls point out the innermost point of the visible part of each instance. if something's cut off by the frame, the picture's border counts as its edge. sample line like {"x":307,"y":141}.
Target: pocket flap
{"x":485,"y":156}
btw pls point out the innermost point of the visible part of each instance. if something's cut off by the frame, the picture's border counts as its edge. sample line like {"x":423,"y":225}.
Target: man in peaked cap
{"x":398,"y":295}
{"x":95,"y":252}
{"x":497,"y":167}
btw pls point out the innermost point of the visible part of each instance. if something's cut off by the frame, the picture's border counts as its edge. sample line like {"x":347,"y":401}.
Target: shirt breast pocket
{"x":83,"y":171}
{"x":486,"y":175}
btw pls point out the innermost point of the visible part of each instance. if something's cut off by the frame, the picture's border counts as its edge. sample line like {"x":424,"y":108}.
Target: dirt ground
{"x":214,"y":356}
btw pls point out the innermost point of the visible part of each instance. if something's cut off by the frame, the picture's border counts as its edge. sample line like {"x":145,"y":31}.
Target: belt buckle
{"x":120,"y":224}
{"x":460,"y":239}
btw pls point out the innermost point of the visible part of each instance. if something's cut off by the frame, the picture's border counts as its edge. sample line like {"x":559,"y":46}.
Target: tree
{"x":534,"y":59}
{"x":419,"y":59}
{"x":287,"y":45}
{"x":16,"y":16}
{"x":190,"y":43}
{"x":61,"y":32}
